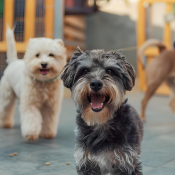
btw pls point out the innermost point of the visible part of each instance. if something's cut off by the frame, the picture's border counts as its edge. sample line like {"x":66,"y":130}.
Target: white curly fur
{"x":40,"y":99}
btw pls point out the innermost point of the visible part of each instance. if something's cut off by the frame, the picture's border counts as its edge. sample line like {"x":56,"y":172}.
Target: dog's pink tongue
{"x":97,"y":101}
{"x":44,"y":71}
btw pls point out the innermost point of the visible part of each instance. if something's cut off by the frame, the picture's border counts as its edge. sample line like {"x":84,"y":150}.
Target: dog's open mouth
{"x":97,"y":101}
{"x":44,"y":71}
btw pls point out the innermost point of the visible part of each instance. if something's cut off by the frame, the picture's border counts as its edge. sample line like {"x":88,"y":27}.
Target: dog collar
{"x":47,"y":81}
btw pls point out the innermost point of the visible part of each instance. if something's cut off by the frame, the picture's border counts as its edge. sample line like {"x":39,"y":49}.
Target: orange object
{"x":49,"y":18}
{"x":29,"y":18}
{"x":29,"y":22}
{"x":141,"y":38}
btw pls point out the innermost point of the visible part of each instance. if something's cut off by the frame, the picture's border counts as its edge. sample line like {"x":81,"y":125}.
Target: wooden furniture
{"x":74,"y":33}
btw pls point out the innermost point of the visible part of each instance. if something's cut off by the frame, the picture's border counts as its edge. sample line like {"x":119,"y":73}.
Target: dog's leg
{"x":138,"y":168}
{"x":171,"y":84}
{"x":7,"y":104}
{"x":31,"y":120}
{"x":50,"y":121}
{"x":50,"y":113}
{"x":172,"y":102}
{"x":156,"y":72}
{"x":119,"y":171}
{"x":89,"y":168}
{"x":148,"y":94}
{"x":128,"y":169}
{"x":84,"y":165}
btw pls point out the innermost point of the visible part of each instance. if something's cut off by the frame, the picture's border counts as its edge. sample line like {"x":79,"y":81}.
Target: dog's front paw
{"x":142,"y":116}
{"x":47,"y":135}
{"x":30,"y":132}
{"x":31,"y":137}
{"x":6,"y":125}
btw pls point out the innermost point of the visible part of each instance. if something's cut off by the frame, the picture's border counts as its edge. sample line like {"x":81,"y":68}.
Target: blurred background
{"x":91,"y":24}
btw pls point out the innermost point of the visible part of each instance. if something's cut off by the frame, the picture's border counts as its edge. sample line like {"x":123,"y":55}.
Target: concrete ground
{"x":158,"y":147}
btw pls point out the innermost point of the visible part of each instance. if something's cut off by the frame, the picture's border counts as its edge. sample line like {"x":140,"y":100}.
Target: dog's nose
{"x":44,"y":65}
{"x":96,"y":85}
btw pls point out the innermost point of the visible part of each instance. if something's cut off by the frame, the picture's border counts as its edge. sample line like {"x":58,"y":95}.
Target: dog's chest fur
{"x":46,"y":92}
{"x":115,"y":143}
{"x":108,"y":160}
{"x":124,"y":128}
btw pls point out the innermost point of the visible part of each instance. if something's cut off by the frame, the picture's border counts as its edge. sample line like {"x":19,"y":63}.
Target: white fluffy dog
{"x":35,"y":81}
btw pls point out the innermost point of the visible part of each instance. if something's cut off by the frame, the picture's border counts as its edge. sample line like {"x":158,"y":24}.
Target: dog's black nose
{"x":96,"y":85}
{"x":44,"y":65}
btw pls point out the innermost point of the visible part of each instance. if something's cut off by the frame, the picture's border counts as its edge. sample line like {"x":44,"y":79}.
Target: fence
{"x":144,"y":23}
{"x":32,"y":18}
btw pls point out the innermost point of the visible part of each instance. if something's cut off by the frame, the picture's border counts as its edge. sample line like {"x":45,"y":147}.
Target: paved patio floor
{"x":158,"y":147}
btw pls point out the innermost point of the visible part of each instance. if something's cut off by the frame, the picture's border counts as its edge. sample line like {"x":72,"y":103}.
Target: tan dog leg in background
{"x":156,"y":72}
{"x":148,"y":94}
{"x":172,"y":103}
{"x":171,"y":84}
{"x":7,"y":103}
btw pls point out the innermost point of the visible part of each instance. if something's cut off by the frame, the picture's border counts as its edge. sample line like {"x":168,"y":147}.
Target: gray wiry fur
{"x":91,"y":58}
{"x":108,"y":142}
{"x":124,"y":159}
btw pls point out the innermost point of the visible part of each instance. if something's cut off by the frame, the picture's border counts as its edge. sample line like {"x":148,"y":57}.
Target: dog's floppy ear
{"x":76,"y":54}
{"x":59,"y":41}
{"x":129,"y":76}
{"x":68,"y":72}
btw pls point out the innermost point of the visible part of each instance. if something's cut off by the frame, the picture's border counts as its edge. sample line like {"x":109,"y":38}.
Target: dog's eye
{"x":37,"y":55}
{"x":85,"y":71}
{"x":109,"y":71}
{"x":51,"y":55}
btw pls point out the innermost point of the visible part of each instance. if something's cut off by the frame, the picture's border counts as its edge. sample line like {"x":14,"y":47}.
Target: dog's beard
{"x":97,"y":108}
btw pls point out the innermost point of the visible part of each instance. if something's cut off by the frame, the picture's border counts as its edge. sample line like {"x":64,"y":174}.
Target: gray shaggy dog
{"x":109,"y":131}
